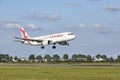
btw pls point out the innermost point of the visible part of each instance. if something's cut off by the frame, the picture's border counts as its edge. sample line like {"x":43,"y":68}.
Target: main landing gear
{"x":54,"y":47}
{"x":42,"y":47}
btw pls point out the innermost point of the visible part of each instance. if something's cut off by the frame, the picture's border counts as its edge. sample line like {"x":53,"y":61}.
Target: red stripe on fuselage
{"x":56,"y":35}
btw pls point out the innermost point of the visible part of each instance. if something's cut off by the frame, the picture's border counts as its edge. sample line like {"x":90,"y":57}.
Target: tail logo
{"x":24,"y":35}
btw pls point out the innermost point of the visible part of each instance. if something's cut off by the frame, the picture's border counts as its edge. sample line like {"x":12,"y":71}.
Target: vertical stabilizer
{"x":24,"y":33}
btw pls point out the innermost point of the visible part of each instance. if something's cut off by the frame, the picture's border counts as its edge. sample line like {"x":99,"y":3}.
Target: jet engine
{"x":63,"y":43}
{"x":46,"y":42}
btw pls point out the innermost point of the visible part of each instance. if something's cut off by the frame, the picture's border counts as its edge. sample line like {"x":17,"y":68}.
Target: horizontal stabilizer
{"x":17,"y":41}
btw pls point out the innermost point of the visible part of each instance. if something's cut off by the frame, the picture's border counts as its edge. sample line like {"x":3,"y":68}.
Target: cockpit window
{"x":70,"y":34}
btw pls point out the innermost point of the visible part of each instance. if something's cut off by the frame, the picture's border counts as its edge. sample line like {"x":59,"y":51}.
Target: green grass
{"x":58,"y":72}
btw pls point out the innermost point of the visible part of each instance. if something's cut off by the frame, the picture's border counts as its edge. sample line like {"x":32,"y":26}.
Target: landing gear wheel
{"x":54,"y":47}
{"x":42,"y":47}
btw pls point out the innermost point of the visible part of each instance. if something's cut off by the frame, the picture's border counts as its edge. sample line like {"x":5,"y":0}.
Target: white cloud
{"x":53,"y":17}
{"x":99,"y":26}
{"x":42,"y":17}
{"x":81,"y":25}
{"x":111,"y":8}
{"x":103,"y":29}
{"x":15,"y":25}
{"x":33,"y":27}
{"x":9,"y":25}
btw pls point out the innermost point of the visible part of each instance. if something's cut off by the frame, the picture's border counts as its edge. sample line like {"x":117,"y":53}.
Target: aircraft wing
{"x":29,"y":39}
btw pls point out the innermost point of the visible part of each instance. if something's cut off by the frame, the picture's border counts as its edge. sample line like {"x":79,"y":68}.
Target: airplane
{"x":60,"y":38}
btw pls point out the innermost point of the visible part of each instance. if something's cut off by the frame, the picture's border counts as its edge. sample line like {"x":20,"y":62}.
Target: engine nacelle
{"x":46,"y":42}
{"x":63,"y":43}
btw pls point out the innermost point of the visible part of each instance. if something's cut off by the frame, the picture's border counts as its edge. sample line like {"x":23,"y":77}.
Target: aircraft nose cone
{"x":74,"y":36}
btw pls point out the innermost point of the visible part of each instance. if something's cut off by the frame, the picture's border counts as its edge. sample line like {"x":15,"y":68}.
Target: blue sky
{"x":94,"y":22}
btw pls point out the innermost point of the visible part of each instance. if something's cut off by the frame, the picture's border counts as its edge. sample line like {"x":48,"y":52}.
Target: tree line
{"x":57,"y":58}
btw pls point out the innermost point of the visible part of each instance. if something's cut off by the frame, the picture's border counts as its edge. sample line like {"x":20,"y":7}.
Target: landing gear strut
{"x":54,"y":47}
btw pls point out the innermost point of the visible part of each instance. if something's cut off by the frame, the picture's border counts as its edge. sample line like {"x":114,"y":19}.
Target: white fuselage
{"x":53,"y":38}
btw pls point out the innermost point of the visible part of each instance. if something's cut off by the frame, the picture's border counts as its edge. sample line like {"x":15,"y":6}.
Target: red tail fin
{"x":24,"y":33}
